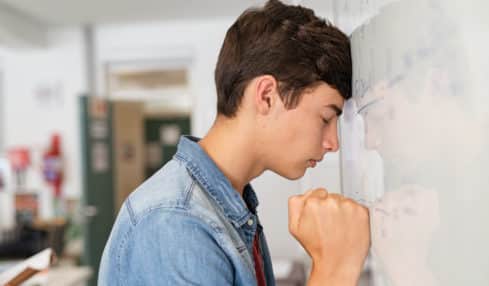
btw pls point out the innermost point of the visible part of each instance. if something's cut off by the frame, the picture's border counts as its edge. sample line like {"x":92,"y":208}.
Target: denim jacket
{"x":185,"y":225}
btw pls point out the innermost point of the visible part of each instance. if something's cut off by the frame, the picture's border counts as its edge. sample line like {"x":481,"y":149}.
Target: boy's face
{"x":301,"y":136}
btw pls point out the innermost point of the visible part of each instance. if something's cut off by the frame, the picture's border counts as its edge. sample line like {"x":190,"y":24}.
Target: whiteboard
{"x":415,"y":140}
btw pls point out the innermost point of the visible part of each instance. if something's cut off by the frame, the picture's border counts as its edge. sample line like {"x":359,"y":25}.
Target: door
{"x":162,"y":135}
{"x":128,"y":129}
{"x":98,"y":178}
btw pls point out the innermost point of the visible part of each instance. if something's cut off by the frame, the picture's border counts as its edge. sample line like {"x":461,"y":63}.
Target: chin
{"x":291,"y":174}
{"x":296,"y":177}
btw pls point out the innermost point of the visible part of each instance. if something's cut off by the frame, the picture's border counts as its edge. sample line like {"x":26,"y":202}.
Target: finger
{"x":319,"y":193}
{"x":296,"y":204}
{"x":308,"y":193}
{"x":336,"y":197}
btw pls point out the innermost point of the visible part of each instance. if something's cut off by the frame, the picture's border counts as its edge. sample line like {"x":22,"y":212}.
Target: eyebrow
{"x":336,"y":109}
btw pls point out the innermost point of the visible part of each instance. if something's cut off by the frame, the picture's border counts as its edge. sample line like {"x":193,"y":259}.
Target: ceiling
{"x":73,"y":12}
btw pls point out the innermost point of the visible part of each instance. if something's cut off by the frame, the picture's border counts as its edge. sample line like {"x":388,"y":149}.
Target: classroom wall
{"x":40,"y":89}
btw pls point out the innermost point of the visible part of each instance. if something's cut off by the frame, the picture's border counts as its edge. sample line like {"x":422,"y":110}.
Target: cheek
{"x":299,"y":135}
{"x":310,"y":140}
{"x":285,"y":139}
{"x":290,"y":127}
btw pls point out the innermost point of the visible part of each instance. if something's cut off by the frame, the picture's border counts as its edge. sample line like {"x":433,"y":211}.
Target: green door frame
{"x":98,"y":178}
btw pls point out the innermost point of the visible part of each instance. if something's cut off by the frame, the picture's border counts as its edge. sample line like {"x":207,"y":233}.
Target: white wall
{"x":57,"y":71}
{"x":19,"y":30}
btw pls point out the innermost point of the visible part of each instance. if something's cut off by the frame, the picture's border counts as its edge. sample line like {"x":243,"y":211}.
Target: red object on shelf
{"x":20,"y":158}
{"x":53,"y":165}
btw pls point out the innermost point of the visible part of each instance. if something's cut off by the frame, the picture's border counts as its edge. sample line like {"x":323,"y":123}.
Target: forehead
{"x":324,"y":95}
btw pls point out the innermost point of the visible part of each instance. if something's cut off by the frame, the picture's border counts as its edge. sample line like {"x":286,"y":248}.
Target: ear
{"x":266,"y":93}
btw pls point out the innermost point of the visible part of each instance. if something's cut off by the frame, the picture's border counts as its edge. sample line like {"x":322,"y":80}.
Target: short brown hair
{"x":288,"y":42}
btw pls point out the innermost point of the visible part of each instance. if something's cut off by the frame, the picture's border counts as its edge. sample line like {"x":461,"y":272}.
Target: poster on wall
{"x":100,"y":157}
{"x":99,"y":129}
{"x":98,"y":108}
{"x":170,"y":134}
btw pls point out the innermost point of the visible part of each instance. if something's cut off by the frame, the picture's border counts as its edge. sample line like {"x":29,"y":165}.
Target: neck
{"x":231,"y":146}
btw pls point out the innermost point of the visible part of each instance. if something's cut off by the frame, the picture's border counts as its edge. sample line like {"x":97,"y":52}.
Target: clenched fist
{"x":334,"y":231}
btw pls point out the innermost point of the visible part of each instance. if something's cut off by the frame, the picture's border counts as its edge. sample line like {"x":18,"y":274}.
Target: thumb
{"x":296,"y":204}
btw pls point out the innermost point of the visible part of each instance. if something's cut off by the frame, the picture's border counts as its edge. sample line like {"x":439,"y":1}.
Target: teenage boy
{"x":282,"y":77}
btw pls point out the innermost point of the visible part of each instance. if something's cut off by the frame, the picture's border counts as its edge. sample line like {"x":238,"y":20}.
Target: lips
{"x":312,"y":163}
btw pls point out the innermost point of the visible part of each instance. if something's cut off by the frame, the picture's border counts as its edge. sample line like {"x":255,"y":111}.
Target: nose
{"x":330,"y":139}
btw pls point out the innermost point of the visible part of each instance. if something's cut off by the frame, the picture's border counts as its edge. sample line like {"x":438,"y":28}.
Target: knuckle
{"x":335,"y":199}
{"x":321,"y":191}
{"x":312,"y":202}
{"x":331,"y":204}
{"x":362,"y":212}
{"x":349,"y":203}
{"x":318,"y":193}
{"x":307,"y":193}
